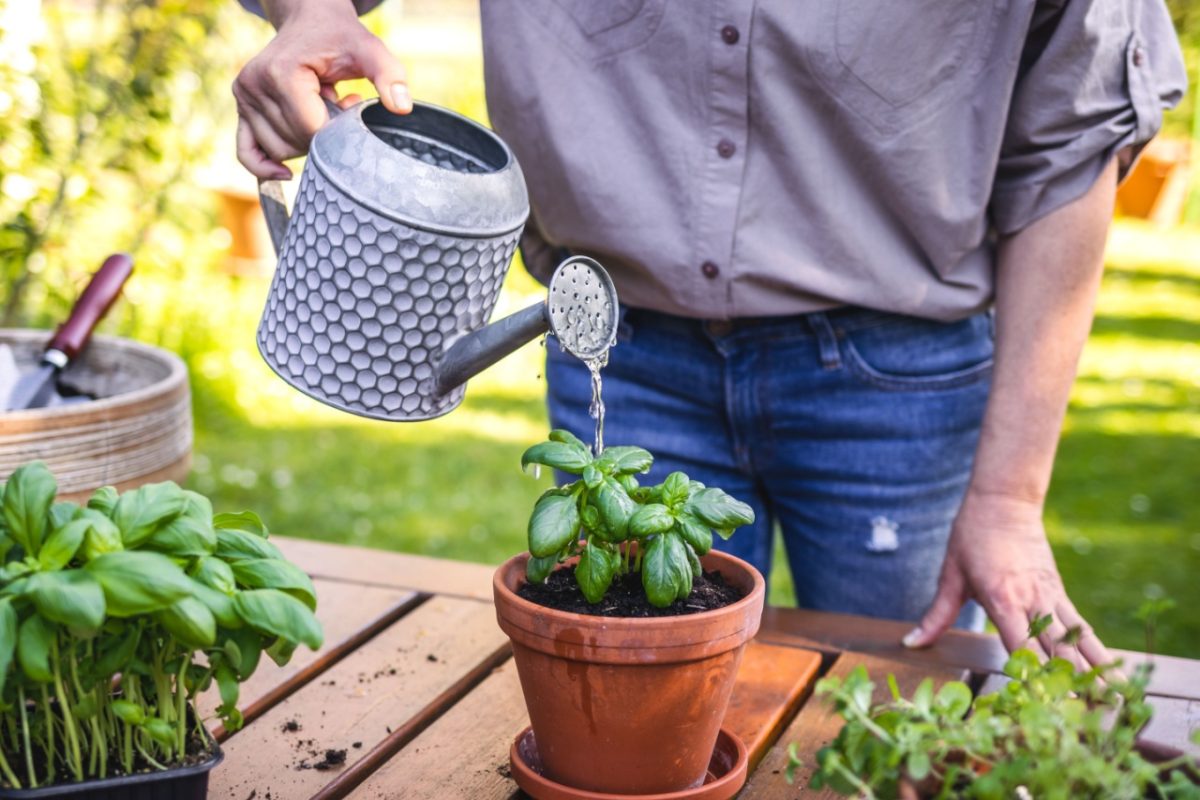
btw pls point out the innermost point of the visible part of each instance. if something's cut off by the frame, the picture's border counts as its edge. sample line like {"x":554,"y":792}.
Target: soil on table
{"x":626,"y":597}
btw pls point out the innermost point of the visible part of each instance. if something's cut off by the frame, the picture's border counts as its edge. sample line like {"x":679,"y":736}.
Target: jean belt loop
{"x":831,"y":356}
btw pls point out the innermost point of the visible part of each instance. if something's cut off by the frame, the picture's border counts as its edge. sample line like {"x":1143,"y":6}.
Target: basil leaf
{"x":190,"y":621}
{"x":615,"y":507}
{"x":220,"y":604}
{"x":694,"y":563}
{"x":537,"y":570}
{"x":8,"y":639}
{"x":160,"y":731}
{"x":278,"y":613}
{"x":553,"y":525}
{"x":563,"y":457}
{"x":595,"y":570}
{"x":102,"y":536}
{"x":592,"y":477}
{"x":274,"y":573}
{"x":246,"y":521}
{"x":236,"y":545}
{"x":566,"y":437}
{"x":954,"y":698}
{"x":190,"y":534}
{"x":649,"y":520}
{"x":138,"y":582}
{"x":146,"y":509}
{"x":281,"y":651}
{"x":60,"y":546}
{"x":250,"y":646}
{"x":628,"y":460}
{"x":61,"y":514}
{"x":28,"y":496}
{"x":71,"y":598}
{"x":675,"y":489}
{"x":214,"y":573}
{"x":128,"y":712}
{"x":665,"y":569}
{"x":227,"y":685}
{"x":697,"y":535}
{"x":628,"y":482}
{"x":33,"y":649}
{"x":103,"y":500}
{"x":718,"y":510}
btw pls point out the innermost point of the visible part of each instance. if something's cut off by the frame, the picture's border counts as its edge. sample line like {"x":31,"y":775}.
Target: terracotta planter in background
{"x":628,"y":705}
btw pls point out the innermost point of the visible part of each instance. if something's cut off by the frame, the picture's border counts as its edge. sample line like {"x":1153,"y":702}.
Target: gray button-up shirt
{"x":768,"y":157}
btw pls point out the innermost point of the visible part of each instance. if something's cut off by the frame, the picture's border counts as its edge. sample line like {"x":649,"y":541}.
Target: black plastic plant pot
{"x":177,"y":783}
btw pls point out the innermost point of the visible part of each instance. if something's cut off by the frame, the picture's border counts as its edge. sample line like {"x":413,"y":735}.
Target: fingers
{"x":942,"y":613}
{"x":1089,"y":647}
{"x":388,"y":75}
{"x":254,"y":159}
{"x":1013,"y":625}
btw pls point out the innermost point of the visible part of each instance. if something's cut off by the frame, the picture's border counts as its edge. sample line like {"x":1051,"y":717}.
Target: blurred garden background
{"x":116,"y":133}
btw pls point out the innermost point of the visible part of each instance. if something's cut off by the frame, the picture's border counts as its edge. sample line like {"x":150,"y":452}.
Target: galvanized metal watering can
{"x":392,"y":261}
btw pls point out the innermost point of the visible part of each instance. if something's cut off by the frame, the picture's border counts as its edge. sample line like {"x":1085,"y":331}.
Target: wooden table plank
{"x":816,"y":725}
{"x":977,"y":652}
{"x":1173,"y":724}
{"x":465,"y":753}
{"x":365,"y":567}
{"x":462,"y":755}
{"x":772,"y":682}
{"x":349,"y":614}
{"x":359,"y":701}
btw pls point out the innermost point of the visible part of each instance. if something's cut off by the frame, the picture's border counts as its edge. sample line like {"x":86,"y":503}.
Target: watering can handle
{"x":270,"y":196}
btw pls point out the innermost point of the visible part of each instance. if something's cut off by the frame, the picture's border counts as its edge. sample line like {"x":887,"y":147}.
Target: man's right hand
{"x":319,"y":42}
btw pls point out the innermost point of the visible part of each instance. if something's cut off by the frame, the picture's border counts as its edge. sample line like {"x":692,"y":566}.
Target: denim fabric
{"x":853,"y":430}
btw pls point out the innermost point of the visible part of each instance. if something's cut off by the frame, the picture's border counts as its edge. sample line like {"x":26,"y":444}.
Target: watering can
{"x":392,"y":260}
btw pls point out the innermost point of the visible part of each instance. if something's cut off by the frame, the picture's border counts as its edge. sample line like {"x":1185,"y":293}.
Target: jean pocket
{"x":921,"y":355}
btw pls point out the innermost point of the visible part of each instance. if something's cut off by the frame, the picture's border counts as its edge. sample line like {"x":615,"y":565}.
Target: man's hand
{"x":1047,"y":276}
{"x":998,"y":555}
{"x":319,"y":43}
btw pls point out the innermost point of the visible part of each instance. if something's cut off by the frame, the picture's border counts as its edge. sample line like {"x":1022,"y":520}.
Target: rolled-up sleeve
{"x":255,"y":6}
{"x":1094,"y":79}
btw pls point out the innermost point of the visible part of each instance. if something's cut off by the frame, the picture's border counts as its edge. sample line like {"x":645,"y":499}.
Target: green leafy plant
{"x":1050,"y":732}
{"x":616,"y":526}
{"x":114,"y":616}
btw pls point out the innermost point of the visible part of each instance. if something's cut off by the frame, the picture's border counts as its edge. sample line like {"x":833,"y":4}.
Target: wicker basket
{"x":138,"y":430}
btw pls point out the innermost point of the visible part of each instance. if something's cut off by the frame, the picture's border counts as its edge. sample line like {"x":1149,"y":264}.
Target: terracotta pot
{"x":628,"y":705}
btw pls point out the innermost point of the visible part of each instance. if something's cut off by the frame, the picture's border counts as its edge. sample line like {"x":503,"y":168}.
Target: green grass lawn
{"x":1123,"y":513}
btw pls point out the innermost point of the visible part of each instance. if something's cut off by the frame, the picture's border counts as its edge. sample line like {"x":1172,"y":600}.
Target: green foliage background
{"x":115,"y":122}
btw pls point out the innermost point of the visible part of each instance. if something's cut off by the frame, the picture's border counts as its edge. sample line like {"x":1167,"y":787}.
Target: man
{"x":811,"y":210}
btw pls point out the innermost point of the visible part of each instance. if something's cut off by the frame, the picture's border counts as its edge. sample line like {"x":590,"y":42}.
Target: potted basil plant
{"x":114,"y":617}
{"x":627,"y":628}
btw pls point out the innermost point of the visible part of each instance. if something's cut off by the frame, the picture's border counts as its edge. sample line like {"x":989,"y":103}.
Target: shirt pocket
{"x":598,"y":29}
{"x":894,"y":62}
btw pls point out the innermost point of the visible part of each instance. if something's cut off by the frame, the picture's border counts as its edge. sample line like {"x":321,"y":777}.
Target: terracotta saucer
{"x":726,"y":774}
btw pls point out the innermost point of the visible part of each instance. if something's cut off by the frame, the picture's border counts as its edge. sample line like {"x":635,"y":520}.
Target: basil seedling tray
{"x":178,"y":783}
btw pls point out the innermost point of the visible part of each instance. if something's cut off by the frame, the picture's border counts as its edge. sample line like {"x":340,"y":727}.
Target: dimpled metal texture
{"x":362,"y":307}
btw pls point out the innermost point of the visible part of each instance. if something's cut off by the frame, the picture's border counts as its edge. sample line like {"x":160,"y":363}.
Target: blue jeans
{"x":854,"y":430}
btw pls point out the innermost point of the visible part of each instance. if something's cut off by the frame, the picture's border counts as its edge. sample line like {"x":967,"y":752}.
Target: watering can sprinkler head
{"x":392,"y":261}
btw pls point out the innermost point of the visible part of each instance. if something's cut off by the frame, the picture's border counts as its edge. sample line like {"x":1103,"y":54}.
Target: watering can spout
{"x":580,"y":310}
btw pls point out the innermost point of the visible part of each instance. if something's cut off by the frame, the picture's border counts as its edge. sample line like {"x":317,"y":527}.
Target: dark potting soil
{"x":626,"y":597}
{"x":198,"y":751}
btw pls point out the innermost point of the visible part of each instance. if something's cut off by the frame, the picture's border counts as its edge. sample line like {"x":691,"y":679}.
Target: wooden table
{"x":416,"y":686}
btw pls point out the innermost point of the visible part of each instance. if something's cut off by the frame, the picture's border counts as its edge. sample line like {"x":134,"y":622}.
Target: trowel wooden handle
{"x":92,"y":305}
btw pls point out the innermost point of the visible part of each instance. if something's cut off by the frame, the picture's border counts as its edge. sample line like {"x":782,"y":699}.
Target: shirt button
{"x":726,"y":148}
{"x":710,"y":269}
{"x":730,"y":35}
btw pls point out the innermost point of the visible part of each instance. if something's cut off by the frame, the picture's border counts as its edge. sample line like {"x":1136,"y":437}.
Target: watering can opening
{"x":435,"y":138}
{"x":392,"y":261}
